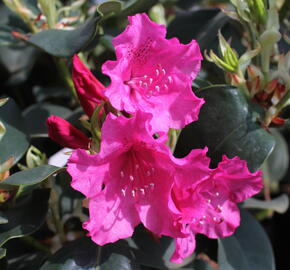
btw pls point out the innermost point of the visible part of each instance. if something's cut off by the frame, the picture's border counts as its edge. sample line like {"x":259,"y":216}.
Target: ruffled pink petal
{"x":184,"y":247}
{"x":153,"y":74}
{"x":137,"y":33}
{"x":118,"y":133}
{"x":235,"y":175}
{"x":192,"y":169}
{"x":87,"y":171}
{"x":111,"y":218}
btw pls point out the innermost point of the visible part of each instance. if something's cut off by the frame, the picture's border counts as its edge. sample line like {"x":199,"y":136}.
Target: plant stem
{"x":66,"y":76}
{"x":55,"y":211}
{"x":35,"y":243}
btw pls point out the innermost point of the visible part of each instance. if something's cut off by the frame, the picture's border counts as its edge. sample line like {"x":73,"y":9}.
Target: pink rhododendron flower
{"x":89,"y":89}
{"x":154,"y":74}
{"x":128,"y":182}
{"x":65,"y":134}
{"x":208,"y":205}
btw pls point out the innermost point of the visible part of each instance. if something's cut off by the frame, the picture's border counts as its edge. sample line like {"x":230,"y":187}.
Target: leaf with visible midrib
{"x":227,"y":125}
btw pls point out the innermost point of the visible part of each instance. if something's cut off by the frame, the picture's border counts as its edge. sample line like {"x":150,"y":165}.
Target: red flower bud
{"x":65,"y":134}
{"x":89,"y":89}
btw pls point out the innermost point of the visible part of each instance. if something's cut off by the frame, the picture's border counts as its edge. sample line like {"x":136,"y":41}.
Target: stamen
{"x":133,"y":193}
{"x":163,"y":71}
{"x":169,"y":79}
{"x":122,"y":174}
{"x":131,"y":177}
{"x":157,"y":72}
{"x":123,"y":191}
{"x":217,"y":194}
{"x":157,"y":88}
{"x":142,"y":191}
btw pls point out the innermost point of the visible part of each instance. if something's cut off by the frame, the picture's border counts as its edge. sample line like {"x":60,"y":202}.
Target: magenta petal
{"x":83,"y":167}
{"x":235,"y":174}
{"x":153,"y":74}
{"x":111,"y":218}
{"x":184,"y":247}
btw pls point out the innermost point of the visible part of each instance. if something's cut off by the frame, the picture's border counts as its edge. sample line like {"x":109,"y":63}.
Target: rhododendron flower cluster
{"x":133,"y":177}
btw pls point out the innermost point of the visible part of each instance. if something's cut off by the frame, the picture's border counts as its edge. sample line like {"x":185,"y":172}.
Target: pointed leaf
{"x":66,"y":43}
{"x":32,"y":176}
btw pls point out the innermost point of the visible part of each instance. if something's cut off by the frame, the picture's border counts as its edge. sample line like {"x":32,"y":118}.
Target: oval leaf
{"x":13,"y":144}
{"x":32,"y":176}
{"x":26,"y":216}
{"x":227,"y":125}
{"x":249,"y":248}
{"x":65,"y":43}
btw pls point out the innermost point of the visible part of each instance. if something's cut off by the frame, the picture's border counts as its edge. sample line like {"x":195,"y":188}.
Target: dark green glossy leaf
{"x":15,"y":119}
{"x":201,"y":265}
{"x":227,"y":125}
{"x":6,"y":38}
{"x":3,"y":219}
{"x":3,"y":261}
{"x":18,"y":61}
{"x":27,"y":261}
{"x":278,"y":161}
{"x":36,"y":115}
{"x":110,"y":7}
{"x":199,"y":24}
{"x":249,"y":248}
{"x":26,"y":216}
{"x":66,"y":43}
{"x":154,"y":253}
{"x":32,"y":176}
{"x":137,"y":6}
{"x":118,"y":261}
{"x":83,"y":254}
{"x":14,"y":143}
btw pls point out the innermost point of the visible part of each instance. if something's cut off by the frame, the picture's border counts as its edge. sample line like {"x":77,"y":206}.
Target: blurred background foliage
{"x":246,"y":114}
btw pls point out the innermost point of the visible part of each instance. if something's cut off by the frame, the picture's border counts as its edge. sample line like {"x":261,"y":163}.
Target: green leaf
{"x":15,"y":119}
{"x":249,"y":248}
{"x":13,"y":144}
{"x":6,"y":38}
{"x":3,"y":261}
{"x":36,"y":115}
{"x":83,"y":254}
{"x":3,"y":220}
{"x":32,"y":176}
{"x":2,"y":130}
{"x":118,"y":261}
{"x":137,"y":6}
{"x":26,"y":216}
{"x":18,"y":61}
{"x":227,"y":125}
{"x":66,"y":43}
{"x":200,"y":24}
{"x":149,"y":252}
{"x":110,"y":7}
{"x":278,"y":161}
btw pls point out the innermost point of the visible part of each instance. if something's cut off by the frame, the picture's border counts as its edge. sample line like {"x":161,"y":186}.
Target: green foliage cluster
{"x":41,"y":214}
